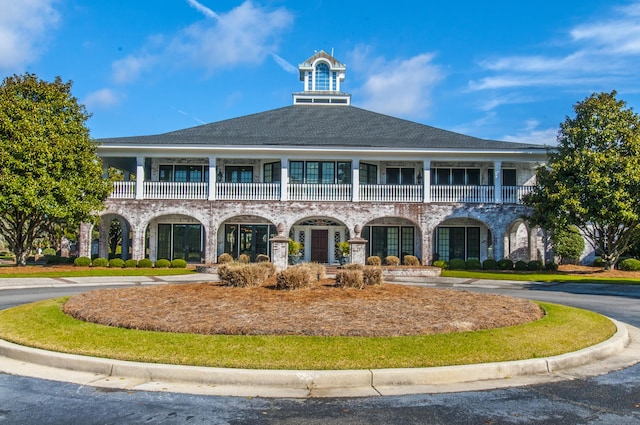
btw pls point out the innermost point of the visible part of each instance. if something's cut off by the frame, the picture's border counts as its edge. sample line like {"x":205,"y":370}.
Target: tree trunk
{"x":21,"y":257}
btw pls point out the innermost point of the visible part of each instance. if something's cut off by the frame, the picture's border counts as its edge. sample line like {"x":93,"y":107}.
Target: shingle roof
{"x":320,"y":126}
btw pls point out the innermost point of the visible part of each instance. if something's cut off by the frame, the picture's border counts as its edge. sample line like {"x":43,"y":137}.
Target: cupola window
{"x":322,"y":77}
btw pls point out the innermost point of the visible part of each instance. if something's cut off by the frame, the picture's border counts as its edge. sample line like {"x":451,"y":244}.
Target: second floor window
{"x":238,"y":174}
{"x":403,"y":176}
{"x":455,"y":176}
{"x":368,"y":173}
{"x":320,"y":172}
{"x":183,"y":173}
{"x":272,"y":172}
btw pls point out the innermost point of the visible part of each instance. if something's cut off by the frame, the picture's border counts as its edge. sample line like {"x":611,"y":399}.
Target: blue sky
{"x":504,"y":70}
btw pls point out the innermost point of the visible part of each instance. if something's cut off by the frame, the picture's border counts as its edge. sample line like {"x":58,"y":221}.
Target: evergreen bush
{"x":163,"y":263}
{"x":116,"y":263}
{"x":456,"y":264}
{"x":521,"y":265}
{"x":82,"y":262}
{"x":178,"y":263}
{"x":630,"y":264}
{"x":489,"y":265}
{"x":100,"y":262}
{"x":505,"y":264}
{"x":131,"y":264}
{"x":534,"y":265}
{"x":48,"y":251}
{"x":441,"y":263}
{"x":145,"y":263}
{"x":551,"y":266}
{"x":473,"y":264}
{"x":568,"y":244}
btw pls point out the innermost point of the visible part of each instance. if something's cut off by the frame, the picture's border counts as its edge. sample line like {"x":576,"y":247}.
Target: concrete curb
{"x":305,"y":383}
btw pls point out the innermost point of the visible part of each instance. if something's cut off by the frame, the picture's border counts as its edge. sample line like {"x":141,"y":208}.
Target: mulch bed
{"x":325,"y":310}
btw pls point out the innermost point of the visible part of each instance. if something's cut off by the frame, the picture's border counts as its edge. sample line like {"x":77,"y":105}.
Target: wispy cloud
{"x":396,"y":87}
{"x":247,"y":34}
{"x":103,"y":98}
{"x":24,"y":27}
{"x":530,"y":133}
{"x":284,"y":64}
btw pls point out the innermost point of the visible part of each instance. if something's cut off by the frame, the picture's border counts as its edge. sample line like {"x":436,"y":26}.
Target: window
{"x":334,"y":81}
{"x":344,"y":173}
{"x":183,"y":173}
{"x":296,"y":169}
{"x":322,"y":76}
{"x":404,"y":176}
{"x":272,"y":172}
{"x":249,"y":239}
{"x":239,"y":174}
{"x":455,"y":176}
{"x":509,"y":177}
{"x":180,"y":241}
{"x":458,"y":242}
{"x":368,"y":173}
{"x":389,"y":240}
{"x":320,"y":172}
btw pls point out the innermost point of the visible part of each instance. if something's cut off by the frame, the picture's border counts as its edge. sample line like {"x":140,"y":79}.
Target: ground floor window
{"x":389,"y":240}
{"x":180,"y":241}
{"x":458,"y":242}
{"x":249,"y":239}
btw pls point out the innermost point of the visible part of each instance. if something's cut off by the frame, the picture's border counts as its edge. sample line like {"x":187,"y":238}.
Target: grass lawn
{"x":72,"y":271}
{"x":563,"y":329}
{"x":539,"y":277}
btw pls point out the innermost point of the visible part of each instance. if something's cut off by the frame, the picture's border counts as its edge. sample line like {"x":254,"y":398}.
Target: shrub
{"x":521,"y":265}
{"x":353,"y":266}
{"x":178,"y":263}
{"x":372,"y":276}
{"x":599,"y":262}
{"x":48,"y":251}
{"x":244,"y":275}
{"x":262,"y":258}
{"x":505,"y":264}
{"x":116,"y":263}
{"x":225,"y":258}
{"x":350,"y":278}
{"x":551,"y":266}
{"x":145,"y":263}
{"x":630,"y":264}
{"x":441,"y":263}
{"x":456,"y":264}
{"x":411,"y":260}
{"x":163,"y":263}
{"x":318,"y":270}
{"x":244,"y":258}
{"x":534,"y":265}
{"x":374,"y":260}
{"x":489,"y":265}
{"x":473,"y":264}
{"x":392,"y":260}
{"x":298,"y":277}
{"x":131,"y":263}
{"x":82,"y":261}
{"x":568,"y":244}
{"x":55,"y":259}
{"x":100,"y":262}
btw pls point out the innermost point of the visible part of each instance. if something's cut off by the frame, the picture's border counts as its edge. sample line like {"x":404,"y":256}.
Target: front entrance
{"x":319,"y":245}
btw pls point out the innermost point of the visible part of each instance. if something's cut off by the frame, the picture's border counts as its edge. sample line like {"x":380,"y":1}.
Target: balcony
{"x":320,"y":192}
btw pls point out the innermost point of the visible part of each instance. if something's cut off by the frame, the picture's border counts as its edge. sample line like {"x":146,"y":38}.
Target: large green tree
{"x":49,"y":171}
{"x":592,"y":179}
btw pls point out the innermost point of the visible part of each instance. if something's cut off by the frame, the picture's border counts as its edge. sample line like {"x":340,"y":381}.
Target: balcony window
{"x":402,"y":176}
{"x":239,"y":174}
{"x":368,"y":173}
{"x":272,"y":172}
{"x":183,"y":173}
{"x":509,"y":177}
{"x":320,"y":172}
{"x":455,"y":176}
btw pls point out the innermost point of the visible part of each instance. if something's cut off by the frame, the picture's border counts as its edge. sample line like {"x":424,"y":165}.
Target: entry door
{"x":319,"y":245}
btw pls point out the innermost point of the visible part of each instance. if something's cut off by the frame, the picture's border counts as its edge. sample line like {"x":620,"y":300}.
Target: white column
{"x":140,"y":177}
{"x":355,"y":180}
{"x":426,"y":181}
{"x":497,"y":181}
{"x":212,"y":178}
{"x":284,"y":179}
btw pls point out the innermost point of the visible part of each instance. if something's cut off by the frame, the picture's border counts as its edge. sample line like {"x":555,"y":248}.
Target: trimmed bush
{"x":505,"y":264}
{"x":441,"y":263}
{"x":163,"y":263}
{"x":392,"y":260}
{"x":630,"y":264}
{"x":225,"y":258}
{"x":599,"y":262}
{"x":244,"y":275}
{"x":130,"y":264}
{"x":350,"y":278}
{"x":145,"y":263}
{"x":82,"y":262}
{"x":374,"y":260}
{"x":353,"y":266}
{"x":298,"y":277}
{"x":262,"y":258}
{"x":411,"y":260}
{"x":552,"y":267}
{"x":534,"y":266}
{"x":521,"y":265}
{"x":489,"y":265}
{"x":372,"y":276}
{"x":178,"y":263}
{"x":116,"y":263}
{"x":100,"y":262}
{"x":568,"y":244}
{"x":456,"y":264}
{"x":244,"y":258}
{"x":48,"y":251}
{"x":473,"y":264}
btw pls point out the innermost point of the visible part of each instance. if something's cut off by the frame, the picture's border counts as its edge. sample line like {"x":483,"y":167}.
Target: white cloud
{"x":24,"y":26}
{"x":534,"y":135}
{"x":284,"y":64}
{"x":103,"y":98}
{"x":245,"y":35}
{"x":397,"y":87}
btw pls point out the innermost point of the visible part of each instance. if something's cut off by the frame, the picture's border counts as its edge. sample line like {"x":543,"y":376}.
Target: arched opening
{"x":394,"y":236}
{"x":248,"y":235}
{"x":319,"y":237}
{"x":173,"y":237}
{"x":111,"y":238}
{"x":517,"y":242}
{"x":462,"y":238}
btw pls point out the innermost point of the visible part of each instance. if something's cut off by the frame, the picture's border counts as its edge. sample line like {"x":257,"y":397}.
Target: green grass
{"x":563,"y":329}
{"x":537,"y":277}
{"x":98,"y":271}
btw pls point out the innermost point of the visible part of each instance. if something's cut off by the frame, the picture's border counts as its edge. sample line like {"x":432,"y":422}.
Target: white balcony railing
{"x":124,"y":190}
{"x":460,"y":193}
{"x":175,"y":190}
{"x":514,"y":194}
{"x":248,"y":191}
{"x":319,"y":192}
{"x":391,"y":193}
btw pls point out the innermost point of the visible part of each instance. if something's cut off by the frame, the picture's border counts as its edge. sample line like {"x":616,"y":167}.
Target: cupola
{"x":321,"y":76}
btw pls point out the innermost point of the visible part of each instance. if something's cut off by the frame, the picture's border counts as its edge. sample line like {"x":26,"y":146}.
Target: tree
{"x":49,"y":170}
{"x":568,"y":244}
{"x":592,"y":179}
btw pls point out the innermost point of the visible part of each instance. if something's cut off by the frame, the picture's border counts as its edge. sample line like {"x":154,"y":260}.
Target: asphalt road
{"x":609,"y":399}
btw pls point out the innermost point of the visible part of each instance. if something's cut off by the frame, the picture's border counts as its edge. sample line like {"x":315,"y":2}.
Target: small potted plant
{"x":344,"y":249}
{"x":295,"y":257}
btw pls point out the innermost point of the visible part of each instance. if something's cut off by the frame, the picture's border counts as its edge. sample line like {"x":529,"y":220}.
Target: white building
{"x":320,"y":167}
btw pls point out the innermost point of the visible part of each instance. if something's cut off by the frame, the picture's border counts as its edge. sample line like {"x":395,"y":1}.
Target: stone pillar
{"x":137,"y":243}
{"x":84,"y":240}
{"x":153,"y":242}
{"x":65,"y":245}
{"x":103,"y":245}
{"x":427,"y":247}
{"x":211,"y":245}
{"x":280,"y":249}
{"x":357,"y":247}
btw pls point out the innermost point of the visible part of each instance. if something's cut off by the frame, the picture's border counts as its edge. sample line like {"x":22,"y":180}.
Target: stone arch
{"x":463,"y":238}
{"x":113,"y":236}
{"x":171,"y":236}
{"x":319,"y":236}
{"x":393,"y":235}
{"x":518,"y":241}
{"x":245,"y":234}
